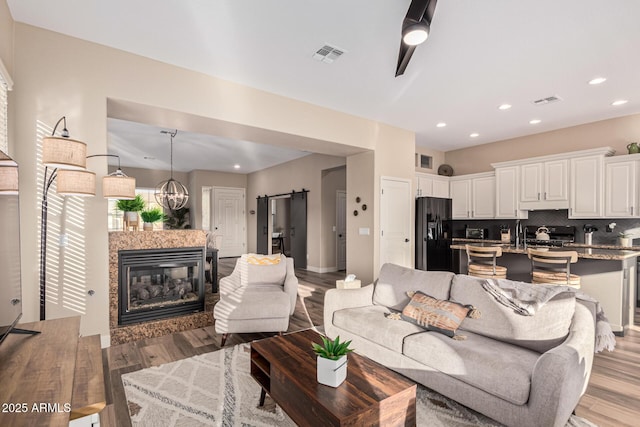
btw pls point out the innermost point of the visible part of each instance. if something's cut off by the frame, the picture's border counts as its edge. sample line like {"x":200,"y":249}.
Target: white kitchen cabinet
{"x":545,"y":185}
{"x":432,"y":186}
{"x":508,"y":193}
{"x":483,"y":197}
{"x":587,"y":187}
{"x":460,"y":191}
{"x":473,"y":196}
{"x":621,"y":199}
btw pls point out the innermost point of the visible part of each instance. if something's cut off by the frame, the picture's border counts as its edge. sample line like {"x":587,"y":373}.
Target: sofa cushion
{"x":261,"y":274}
{"x":370,"y":323}
{"x":500,"y":369}
{"x":395,"y":281}
{"x":434,"y":314}
{"x":545,"y":330}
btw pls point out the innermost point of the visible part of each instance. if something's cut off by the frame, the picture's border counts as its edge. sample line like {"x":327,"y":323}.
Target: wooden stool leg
{"x":223,"y":339}
{"x":263,"y":394}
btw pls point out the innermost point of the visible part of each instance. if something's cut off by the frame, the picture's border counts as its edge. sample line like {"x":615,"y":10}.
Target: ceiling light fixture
{"x":534,"y":121}
{"x":236,"y":166}
{"x":415,"y":33}
{"x":171,"y":194}
{"x":619,"y":102}
{"x":474,"y":135}
{"x":441,"y":124}
{"x":597,"y":81}
{"x":415,"y":30}
{"x":504,"y":106}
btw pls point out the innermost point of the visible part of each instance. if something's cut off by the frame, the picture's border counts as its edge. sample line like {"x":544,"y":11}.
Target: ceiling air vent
{"x":547,"y":100}
{"x":328,"y":53}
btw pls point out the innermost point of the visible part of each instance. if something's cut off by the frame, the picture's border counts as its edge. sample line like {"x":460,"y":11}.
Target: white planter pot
{"x":625,"y":241}
{"x":332,"y":372}
{"x":131,"y":216}
{"x":147,"y":226}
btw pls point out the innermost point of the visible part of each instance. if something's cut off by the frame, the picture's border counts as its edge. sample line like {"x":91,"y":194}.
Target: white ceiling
{"x":479,"y":55}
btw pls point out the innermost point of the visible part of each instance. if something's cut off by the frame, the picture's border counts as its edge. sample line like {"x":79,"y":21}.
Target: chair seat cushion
{"x":253,"y":304}
{"x":498,"y":368}
{"x":487,"y":268}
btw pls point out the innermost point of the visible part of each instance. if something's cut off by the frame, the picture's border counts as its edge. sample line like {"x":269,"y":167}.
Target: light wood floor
{"x":612,"y":398}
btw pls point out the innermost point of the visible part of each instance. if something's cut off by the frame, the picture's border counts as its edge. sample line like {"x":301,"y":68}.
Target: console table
{"x":50,"y":378}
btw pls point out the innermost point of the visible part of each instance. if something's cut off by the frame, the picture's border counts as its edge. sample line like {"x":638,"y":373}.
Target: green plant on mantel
{"x":153,"y":215}
{"x":133,"y":205}
{"x":333,"y":350}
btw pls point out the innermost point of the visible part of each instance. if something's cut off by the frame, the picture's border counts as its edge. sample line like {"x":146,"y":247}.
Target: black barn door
{"x":262,"y":227}
{"x":298,"y":229}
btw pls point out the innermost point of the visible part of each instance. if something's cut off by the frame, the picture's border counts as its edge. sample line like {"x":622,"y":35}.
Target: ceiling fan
{"x":415,"y":30}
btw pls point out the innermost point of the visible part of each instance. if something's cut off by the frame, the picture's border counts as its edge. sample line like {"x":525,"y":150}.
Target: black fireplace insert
{"x":159,"y":283}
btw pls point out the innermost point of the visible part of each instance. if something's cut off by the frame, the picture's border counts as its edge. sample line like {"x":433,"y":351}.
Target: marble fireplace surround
{"x":126,"y":240}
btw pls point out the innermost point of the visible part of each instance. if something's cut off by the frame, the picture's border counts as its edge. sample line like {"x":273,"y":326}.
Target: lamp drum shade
{"x":64,"y":153}
{"x":76,"y":183}
{"x":119,"y":187}
{"x":8,"y":180}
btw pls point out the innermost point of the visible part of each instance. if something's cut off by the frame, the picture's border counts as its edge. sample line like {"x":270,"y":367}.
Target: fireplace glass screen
{"x":160,"y":283}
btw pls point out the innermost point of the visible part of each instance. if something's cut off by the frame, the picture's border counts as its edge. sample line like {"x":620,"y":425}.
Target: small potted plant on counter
{"x":625,"y":239}
{"x":150,"y":216}
{"x":332,"y":361}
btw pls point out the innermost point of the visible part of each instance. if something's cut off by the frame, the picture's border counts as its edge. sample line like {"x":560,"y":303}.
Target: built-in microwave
{"x":476,"y":233}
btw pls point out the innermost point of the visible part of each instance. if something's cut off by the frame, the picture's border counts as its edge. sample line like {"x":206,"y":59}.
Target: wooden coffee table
{"x":285,"y":367}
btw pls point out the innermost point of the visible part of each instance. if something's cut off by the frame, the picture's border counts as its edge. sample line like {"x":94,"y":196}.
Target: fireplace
{"x":159,"y":283}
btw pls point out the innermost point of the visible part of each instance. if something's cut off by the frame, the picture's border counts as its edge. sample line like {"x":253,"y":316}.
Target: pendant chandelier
{"x":171,"y":194}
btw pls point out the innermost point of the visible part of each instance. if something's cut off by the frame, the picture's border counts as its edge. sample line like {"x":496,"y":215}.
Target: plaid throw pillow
{"x":434,"y":314}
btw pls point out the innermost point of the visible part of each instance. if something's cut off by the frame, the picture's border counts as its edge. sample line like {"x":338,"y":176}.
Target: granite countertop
{"x":605,"y":252}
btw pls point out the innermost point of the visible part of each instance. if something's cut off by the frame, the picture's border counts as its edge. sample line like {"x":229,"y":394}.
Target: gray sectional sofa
{"x":518,"y":370}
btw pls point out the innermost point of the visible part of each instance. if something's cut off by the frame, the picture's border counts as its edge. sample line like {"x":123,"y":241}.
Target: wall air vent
{"x":328,"y":53}
{"x":547,"y":100}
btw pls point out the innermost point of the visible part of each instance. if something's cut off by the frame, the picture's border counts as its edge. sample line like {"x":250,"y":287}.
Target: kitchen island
{"x":607,"y":273}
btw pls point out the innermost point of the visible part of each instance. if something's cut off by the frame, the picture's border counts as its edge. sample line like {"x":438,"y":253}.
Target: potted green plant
{"x":332,"y":361}
{"x":625,"y":239}
{"x":130,"y":208}
{"x":150,"y":216}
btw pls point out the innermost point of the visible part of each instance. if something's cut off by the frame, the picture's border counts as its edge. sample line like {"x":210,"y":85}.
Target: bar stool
{"x":553,"y":267}
{"x":482,"y":262}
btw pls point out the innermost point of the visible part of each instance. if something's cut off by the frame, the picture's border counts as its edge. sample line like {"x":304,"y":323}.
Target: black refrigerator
{"x":433,"y":234}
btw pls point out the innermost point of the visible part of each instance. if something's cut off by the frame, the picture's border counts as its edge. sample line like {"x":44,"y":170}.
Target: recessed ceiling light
{"x":535,"y":121}
{"x":441,"y":124}
{"x":236,"y":166}
{"x":619,"y":102}
{"x":597,"y":81}
{"x":504,"y":107}
{"x":474,"y":135}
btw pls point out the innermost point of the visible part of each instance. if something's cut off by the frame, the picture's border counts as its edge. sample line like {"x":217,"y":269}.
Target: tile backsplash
{"x":552,"y":217}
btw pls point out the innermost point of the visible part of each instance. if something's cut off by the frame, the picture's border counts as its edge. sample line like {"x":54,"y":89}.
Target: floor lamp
{"x":64,"y":160}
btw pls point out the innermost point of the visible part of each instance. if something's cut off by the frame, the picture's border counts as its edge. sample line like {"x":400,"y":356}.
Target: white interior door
{"x":229,"y":220}
{"x":395,"y":222}
{"x":341,"y":230}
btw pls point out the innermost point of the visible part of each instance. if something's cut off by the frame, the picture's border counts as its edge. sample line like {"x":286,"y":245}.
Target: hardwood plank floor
{"x":610,"y":400}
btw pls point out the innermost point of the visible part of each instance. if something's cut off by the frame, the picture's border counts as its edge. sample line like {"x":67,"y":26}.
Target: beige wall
{"x":6,"y":37}
{"x":51,"y":82}
{"x":332,"y":181}
{"x":306,"y":173}
{"x":437,"y":156}
{"x":616,"y":133}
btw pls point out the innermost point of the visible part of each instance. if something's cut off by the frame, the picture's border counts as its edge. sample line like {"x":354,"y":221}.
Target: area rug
{"x":216,"y":389}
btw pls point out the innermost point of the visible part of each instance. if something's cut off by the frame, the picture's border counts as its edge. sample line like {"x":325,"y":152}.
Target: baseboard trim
{"x":322,"y":269}
{"x":105,"y":341}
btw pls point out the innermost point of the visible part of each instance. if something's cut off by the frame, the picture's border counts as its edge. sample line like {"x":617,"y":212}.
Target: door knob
{"x":339,"y":235}
{"x":406,"y":240}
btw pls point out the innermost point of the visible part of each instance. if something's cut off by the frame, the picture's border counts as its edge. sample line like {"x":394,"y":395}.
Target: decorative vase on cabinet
{"x":633,"y":148}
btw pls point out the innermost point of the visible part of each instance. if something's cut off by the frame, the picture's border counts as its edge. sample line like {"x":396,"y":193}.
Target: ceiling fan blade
{"x":418,"y":10}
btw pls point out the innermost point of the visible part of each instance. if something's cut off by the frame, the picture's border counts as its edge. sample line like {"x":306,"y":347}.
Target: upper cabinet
{"x":621,"y":198}
{"x":508,"y":193}
{"x":473,"y":196}
{"x":587,"y":187}
{"x":428,"y":185}
{"x":572,"y":181}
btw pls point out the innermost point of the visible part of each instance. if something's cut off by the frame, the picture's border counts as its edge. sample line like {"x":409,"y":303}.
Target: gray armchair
{"x":256,"y":298}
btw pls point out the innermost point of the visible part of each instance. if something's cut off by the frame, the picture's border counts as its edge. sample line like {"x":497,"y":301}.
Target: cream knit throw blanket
{"x":526,"y":299}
